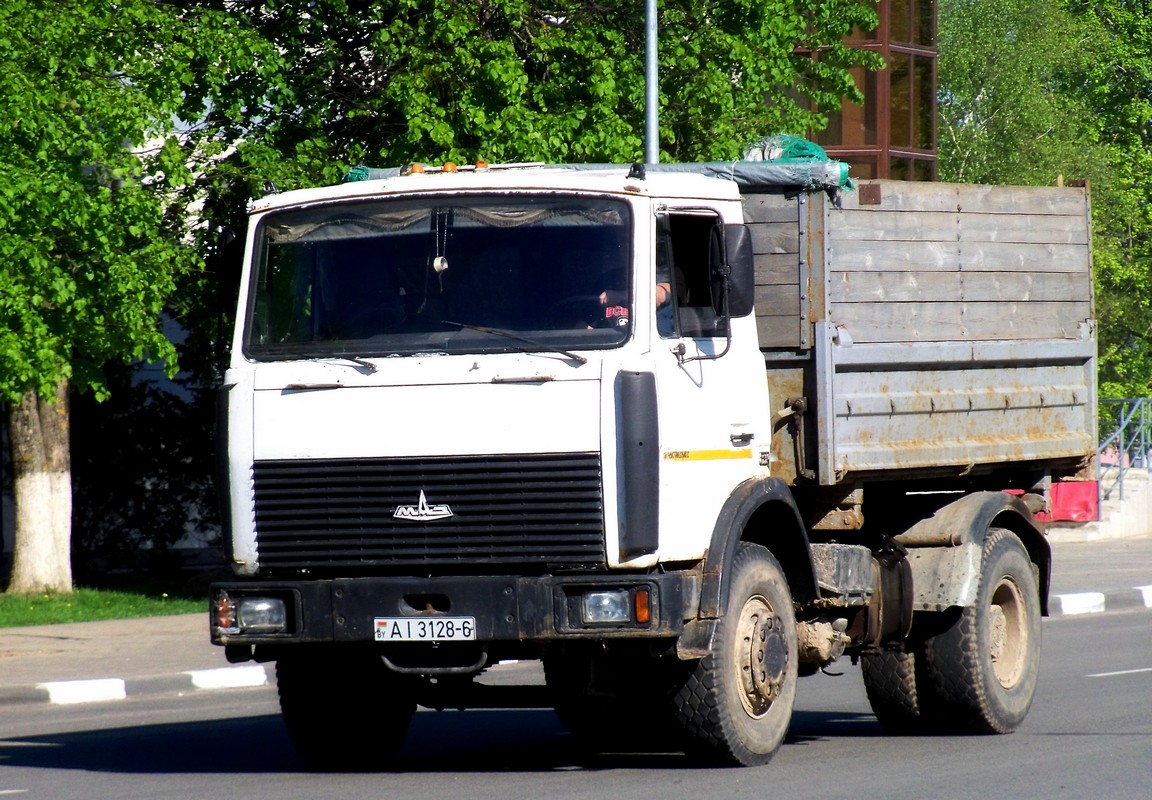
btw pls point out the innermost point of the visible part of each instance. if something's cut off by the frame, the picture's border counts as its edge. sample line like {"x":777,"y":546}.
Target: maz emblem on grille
{"x":422,"y":511}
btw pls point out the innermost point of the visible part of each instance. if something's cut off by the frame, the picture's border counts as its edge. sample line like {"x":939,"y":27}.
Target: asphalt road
{"x":1089,"y":735}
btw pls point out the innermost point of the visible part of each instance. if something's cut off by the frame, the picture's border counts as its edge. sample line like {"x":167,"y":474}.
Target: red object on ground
{"x":1073,"y":501}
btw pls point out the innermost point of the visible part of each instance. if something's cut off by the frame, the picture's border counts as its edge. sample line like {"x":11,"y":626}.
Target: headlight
{"x":261,"y":615}
{"x":612,"y":606}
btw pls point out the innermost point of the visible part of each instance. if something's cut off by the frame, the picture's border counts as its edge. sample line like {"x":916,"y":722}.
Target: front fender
{"x":760,"y":510}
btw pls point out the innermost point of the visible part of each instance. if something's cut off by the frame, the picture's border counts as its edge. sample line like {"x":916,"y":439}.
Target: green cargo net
{"x":784,"y":149}
{"x":359,"y":173}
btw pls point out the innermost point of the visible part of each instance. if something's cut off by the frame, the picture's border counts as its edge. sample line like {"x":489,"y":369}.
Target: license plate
{"x":425,"y":629}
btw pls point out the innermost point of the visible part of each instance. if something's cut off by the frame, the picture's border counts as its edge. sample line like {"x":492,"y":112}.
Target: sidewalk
{"x":100,"y":661}
{"x":83,"y":662}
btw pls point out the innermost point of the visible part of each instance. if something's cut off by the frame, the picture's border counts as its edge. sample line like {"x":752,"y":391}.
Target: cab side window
{"x":683,"y":246}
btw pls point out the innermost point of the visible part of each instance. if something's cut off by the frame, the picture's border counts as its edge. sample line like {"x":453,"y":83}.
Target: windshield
{"x":465,"y":275}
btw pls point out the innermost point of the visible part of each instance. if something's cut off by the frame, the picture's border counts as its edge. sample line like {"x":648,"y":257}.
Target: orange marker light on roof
{"x":481,"y":164}
{"x":415,"y":167}
{"x":450,"y":166}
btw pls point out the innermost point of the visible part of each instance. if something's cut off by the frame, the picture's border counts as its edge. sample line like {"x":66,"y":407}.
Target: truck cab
{"x":485,"y":343}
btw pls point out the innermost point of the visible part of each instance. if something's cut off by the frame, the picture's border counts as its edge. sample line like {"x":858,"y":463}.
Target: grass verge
{"x":89,"y":605}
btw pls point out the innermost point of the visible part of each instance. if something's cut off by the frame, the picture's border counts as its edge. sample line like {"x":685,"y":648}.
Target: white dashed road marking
{"x":1120,"y":672}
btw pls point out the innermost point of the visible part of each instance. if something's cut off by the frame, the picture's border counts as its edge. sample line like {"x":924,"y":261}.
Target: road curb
{"x":103,"y":690}
{"x":1099,"y":602}
{"x":22,"y":695}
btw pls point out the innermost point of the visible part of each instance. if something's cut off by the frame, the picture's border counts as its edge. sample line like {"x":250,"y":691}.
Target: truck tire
{"x":568,"y":676}
{"x":736,"y":704}
{"x":984,"y":668}
{"x":323,"y":695}
{"x":891,"y":685}
{"x":613,"y":702}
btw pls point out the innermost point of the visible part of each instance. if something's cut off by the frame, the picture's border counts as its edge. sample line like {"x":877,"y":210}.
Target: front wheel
{"x":736,"y":705}
{"x":604,"y":696}
{"x":344,"y":710}
{"x":984,"y":668}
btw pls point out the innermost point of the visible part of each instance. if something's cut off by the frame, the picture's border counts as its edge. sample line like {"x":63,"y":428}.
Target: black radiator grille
{"x":323,"y":514}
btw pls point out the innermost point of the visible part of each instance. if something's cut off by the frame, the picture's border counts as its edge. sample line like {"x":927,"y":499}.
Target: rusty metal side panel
{"x":945,"y":327}
{"x":786,"y":380}
{"x":929,"y":405}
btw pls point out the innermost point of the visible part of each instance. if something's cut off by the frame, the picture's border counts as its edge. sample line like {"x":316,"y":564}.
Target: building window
{"x":854,"y":124}
{"x":912,"y":107}
{"x":911,"y":22}
{"x":893,"y":134}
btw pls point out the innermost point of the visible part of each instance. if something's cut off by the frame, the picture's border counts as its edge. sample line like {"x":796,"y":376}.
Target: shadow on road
{"x":450,"y":741}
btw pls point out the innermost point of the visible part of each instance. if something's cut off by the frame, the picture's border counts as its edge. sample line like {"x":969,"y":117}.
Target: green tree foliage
{"x":93,"y":236}
{"x":1034,"y":90}
{"x":1007,"y":111}
{"x":1119,"y":91}
{"x":506,"y":80}
{"x":93,"y":154}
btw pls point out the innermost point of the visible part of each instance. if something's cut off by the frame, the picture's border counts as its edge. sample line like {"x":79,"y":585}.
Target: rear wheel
{"x":344,"y":710}
{"x":736,"y":705}
{"x":984,"y":668}
{"x":893,"y":690}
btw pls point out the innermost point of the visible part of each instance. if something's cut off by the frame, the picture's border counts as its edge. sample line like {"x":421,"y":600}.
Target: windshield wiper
{"x":368,"y":365}
{"x":514,"y":337}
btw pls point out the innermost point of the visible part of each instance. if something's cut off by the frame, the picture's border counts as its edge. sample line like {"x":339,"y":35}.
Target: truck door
{"x":709,"y":400}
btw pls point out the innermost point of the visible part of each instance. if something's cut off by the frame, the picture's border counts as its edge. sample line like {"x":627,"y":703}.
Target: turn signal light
{"x":642,"y":608}
{"x":224,"y":613}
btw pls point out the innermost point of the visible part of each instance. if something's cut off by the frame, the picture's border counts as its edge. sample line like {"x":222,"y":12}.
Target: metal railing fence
{"x":1125,"y":442}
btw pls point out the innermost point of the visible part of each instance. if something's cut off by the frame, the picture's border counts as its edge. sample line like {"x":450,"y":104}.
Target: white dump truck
{"x":685,"y":434}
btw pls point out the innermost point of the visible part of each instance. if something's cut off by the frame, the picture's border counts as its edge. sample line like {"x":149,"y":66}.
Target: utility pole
{"x":651,"y":88}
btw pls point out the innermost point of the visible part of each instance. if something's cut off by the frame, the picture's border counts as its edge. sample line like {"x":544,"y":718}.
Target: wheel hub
{"x":997,"y":632}
{"x":763,"y":656}
{"x":1007,"y":633}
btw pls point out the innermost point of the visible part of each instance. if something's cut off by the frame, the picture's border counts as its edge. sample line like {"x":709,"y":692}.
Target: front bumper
{"x":506,"y":608}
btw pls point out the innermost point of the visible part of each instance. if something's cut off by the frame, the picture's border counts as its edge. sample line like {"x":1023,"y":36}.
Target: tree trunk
{"x":42,"y":485}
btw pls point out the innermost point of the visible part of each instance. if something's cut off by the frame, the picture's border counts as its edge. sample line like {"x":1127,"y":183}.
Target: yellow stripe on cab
{"x":706,"y":455}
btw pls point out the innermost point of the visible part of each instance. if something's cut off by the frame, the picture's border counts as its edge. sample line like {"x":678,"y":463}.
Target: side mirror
{"x":732,"y":262}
